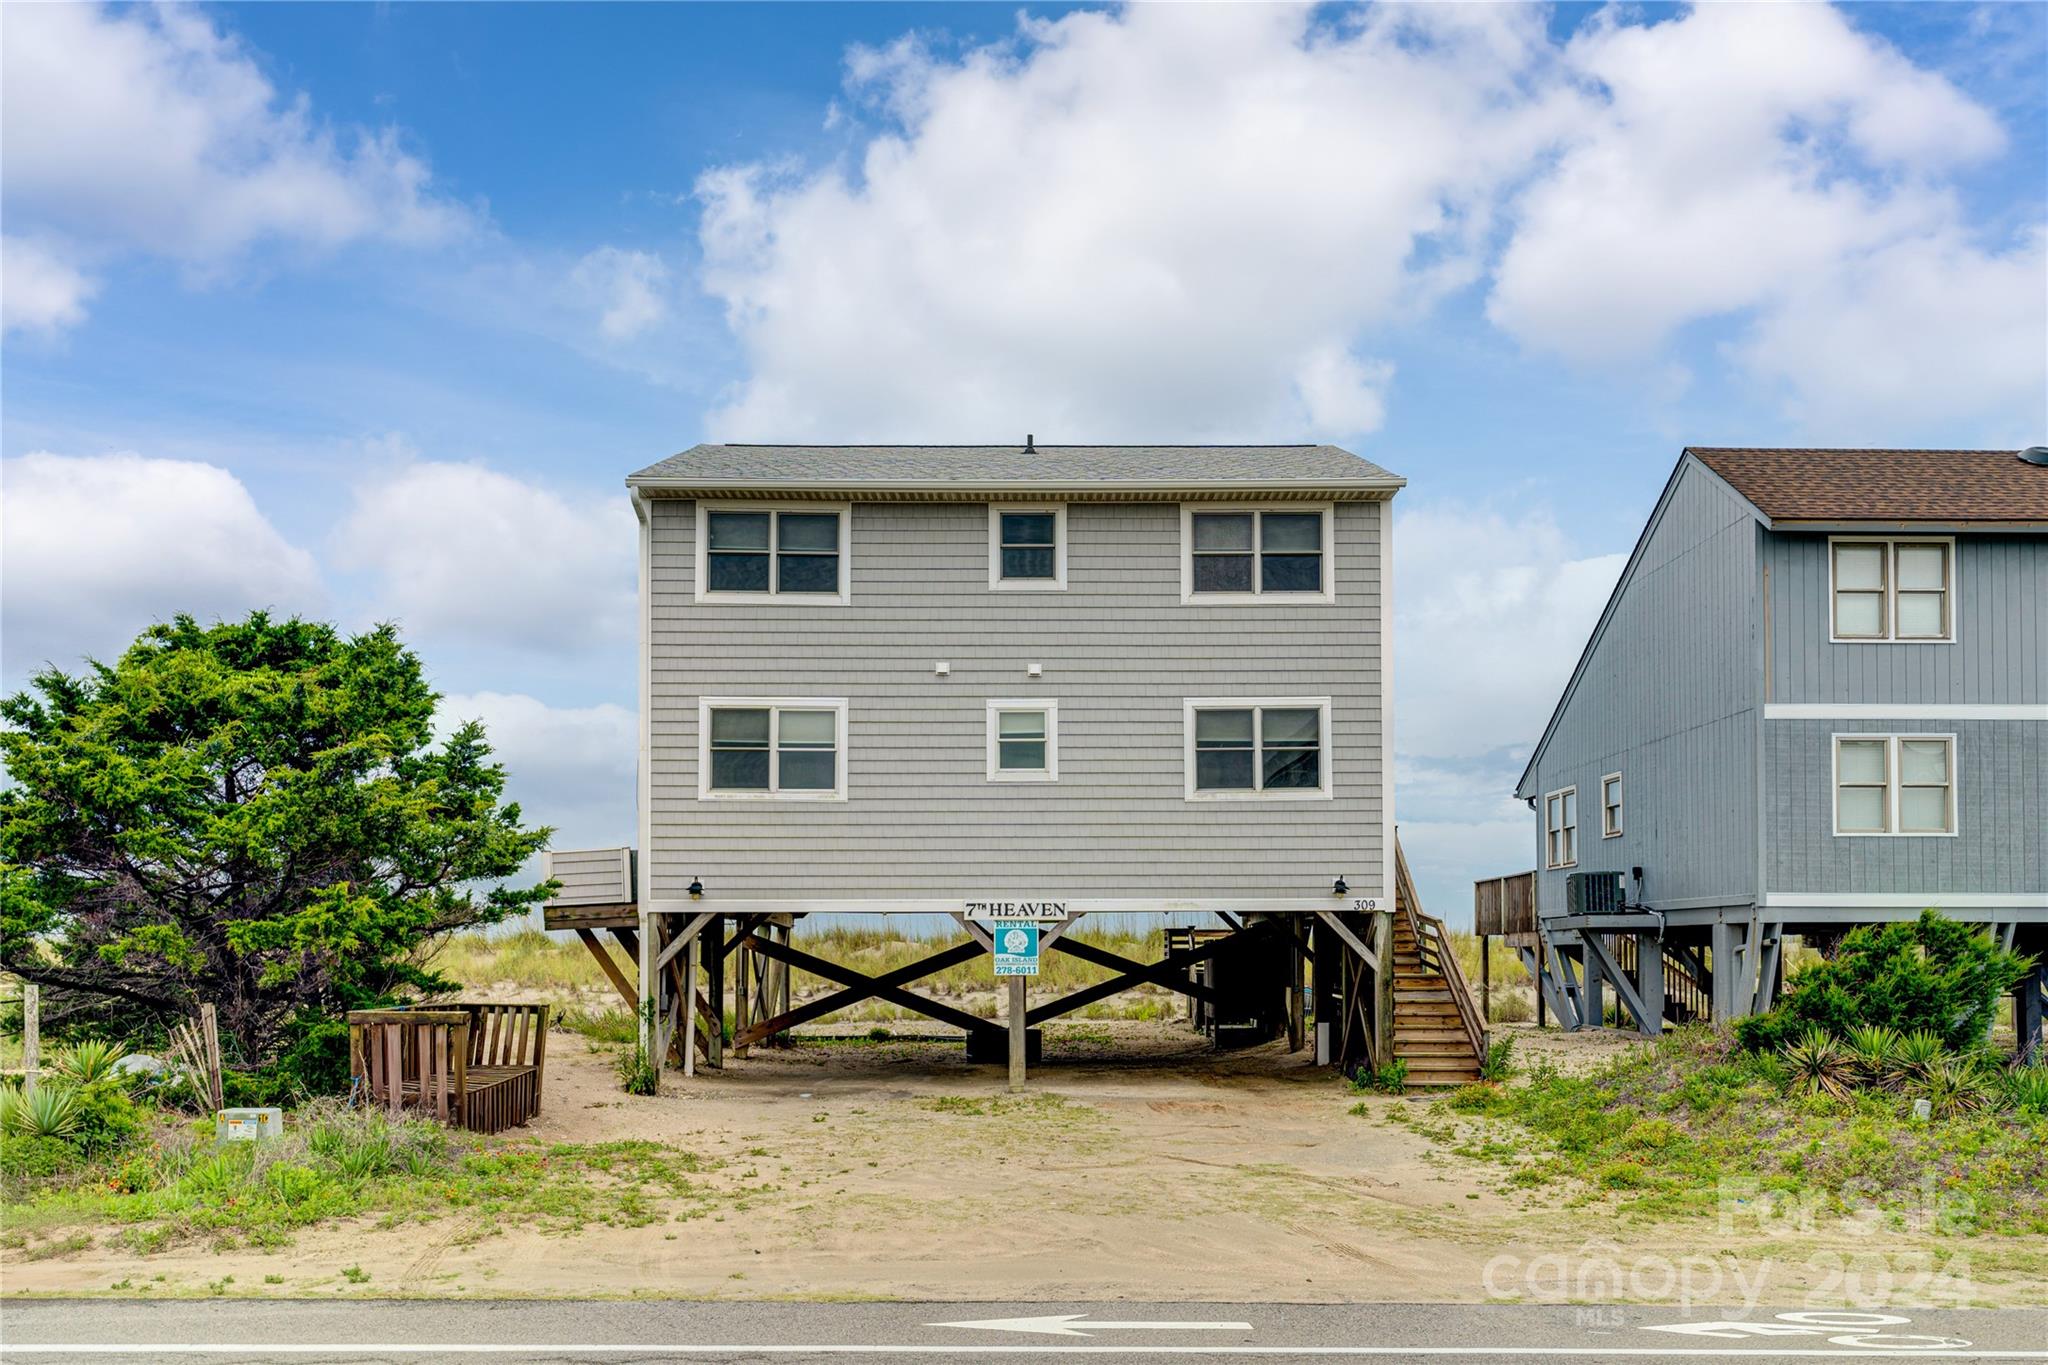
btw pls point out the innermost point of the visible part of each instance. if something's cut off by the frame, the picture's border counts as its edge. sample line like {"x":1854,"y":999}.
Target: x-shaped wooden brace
{"x":859,"y":987}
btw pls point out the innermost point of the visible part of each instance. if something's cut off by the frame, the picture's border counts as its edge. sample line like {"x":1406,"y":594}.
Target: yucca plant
{"x":1876,"y":1051}
{"x":90,"y":1061}
{"x":48,"y":1110}
{"x":2027,"y":1088}
{"x":1820,"y":1064}
{"x":1919,"y":1052}
{"x":1955,"y":1085}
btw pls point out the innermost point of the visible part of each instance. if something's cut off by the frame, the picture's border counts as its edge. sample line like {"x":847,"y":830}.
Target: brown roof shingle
{"x":1884,"y":485}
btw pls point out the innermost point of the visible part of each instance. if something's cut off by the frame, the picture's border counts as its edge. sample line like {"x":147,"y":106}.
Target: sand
{"x":1141,"y":1165}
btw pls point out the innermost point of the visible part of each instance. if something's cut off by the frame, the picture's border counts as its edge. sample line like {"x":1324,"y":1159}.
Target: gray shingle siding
{"x":1120,"y":652}
{"x":1667,"y":698}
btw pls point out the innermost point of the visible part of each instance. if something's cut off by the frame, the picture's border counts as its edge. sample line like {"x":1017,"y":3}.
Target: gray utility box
{"x":1595,"y":893}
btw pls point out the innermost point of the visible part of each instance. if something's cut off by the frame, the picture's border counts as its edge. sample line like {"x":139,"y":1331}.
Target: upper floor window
{"x":1895,"y":784}
{"x":1270,"y":747}
{"x":796,"y":553}
{"x":1561,"y":828}
{"x":1892,"y":590}
{"x":1610,"y":806}
{"x":1027,"y":546}
{"x":1023,"y":741}
{"x":1248,"y":554}
{"x":763,"y":746}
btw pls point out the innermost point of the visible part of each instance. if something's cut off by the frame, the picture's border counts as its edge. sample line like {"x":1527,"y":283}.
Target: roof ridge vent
{"x":2035,"y":455}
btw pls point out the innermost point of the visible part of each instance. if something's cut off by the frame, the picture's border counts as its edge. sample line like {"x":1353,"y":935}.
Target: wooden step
{"x":1431,"y":1033}
{"x":1420,"y":995}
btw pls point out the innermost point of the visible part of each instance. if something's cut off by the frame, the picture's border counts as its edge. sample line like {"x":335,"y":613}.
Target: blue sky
{"x":367,"y":310}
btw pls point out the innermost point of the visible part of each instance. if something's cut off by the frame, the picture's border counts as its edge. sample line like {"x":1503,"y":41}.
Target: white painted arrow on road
{"x":1080,"y":1325}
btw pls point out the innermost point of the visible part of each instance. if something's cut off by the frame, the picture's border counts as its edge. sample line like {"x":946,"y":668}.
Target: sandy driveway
{"x":1141,"y":1165}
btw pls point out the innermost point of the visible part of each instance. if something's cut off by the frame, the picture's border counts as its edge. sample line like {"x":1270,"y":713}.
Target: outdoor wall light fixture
{"x":696,"y":889}
{"x":1340,"y":887}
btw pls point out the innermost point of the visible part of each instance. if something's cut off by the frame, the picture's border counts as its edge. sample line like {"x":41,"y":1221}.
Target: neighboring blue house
{"x":1817,"y":698}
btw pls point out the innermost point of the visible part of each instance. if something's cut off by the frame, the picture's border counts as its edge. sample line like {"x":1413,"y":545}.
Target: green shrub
{"x":107,"y":1119}
{"x":1499,"y":1062}
{"x":1875,"y":1049}
{"x":35,"y":1158}
{"x":1955,"y":1086}
{"x":1932,"y":973}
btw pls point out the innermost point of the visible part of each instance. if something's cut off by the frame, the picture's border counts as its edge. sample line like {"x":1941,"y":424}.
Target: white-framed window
{"x":1023,"y":741}
{"x":1235,"y":552}
{"x":791,"y":553}
{"x":771,"y":748}
{"x":1891,"y":590}
{"x":1610,"y":806}
{"x":1561,"y":828}
{"x":1895,"y":785}
{"x":1027,"y":546}
{"x":1263,"y":748}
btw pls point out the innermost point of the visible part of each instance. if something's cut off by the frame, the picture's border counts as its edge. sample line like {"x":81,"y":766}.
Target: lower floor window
{"x":1895,"y":784}
{"x":1250,"y":748}
{"x":1023,"y":741}
{"x":772,"y":749}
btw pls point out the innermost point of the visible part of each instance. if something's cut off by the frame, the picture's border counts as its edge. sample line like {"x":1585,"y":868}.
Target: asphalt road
{"x":356,"y":1330}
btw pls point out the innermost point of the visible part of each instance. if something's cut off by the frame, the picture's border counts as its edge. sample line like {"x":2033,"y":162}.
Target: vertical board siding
{"x":1668,"y":699}
{"x":1120,"y":651}
{"x":2000,"y":844}
{"x":2000,"y":654}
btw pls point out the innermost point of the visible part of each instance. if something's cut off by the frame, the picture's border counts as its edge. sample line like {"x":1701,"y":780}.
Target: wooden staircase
{"x":1437,"y":1029}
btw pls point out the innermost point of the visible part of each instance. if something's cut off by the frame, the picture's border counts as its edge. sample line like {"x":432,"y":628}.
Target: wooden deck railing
{"x":477,"y":1064}
{"x":1433,"y":946}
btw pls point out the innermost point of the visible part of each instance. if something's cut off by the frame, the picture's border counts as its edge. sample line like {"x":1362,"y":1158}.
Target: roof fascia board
{"x":1913,"y":526}
{"x":979,"y":490}
{"x":1686,"y":460}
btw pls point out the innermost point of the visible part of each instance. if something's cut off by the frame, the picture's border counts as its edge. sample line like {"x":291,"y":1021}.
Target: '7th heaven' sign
{"x":1041,"y":912}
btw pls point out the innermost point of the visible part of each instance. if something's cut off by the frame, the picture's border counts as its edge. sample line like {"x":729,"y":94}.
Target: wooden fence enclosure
{"x":477,"y":1065}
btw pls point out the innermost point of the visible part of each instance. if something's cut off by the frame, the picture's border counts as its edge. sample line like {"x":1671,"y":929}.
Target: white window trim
{"x":1559,"y":796}
{"x":1058,"y":581}
{"x":843,"y":597}
{"x":1189,"y":596}
{"x":1324,"y":773}
{"x":706,"y":705}
{"x":1893,"y":786}
{"x":1051,"y":771}
{"x":1620,"y":810}
{"x":1891,"y":590}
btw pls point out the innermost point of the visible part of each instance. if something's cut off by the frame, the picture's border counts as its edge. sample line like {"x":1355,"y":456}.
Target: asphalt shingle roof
{"x":1884,"y":485}
{"x":1253,"y":466}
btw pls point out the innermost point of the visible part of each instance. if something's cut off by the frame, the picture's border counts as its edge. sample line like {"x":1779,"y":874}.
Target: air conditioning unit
{"x":1595,"y":893}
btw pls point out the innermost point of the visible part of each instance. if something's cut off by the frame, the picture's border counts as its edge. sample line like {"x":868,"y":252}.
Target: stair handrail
{"x":1429,"y":932}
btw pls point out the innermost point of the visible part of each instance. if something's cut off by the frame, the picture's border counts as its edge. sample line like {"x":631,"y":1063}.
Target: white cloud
{"x":1210,"y":222}
{"x":570,"y":767}
{"x":94,"y":548}
{"x":627,"y":289}
{"x":39,"y":292}
{"x":466,"y":553}
{"x":1167,"y":222}
{"x":1962,"y":338}
{"x":1490,"y":614}
{"x":1773,"y":165}
{"x":151,"y":131}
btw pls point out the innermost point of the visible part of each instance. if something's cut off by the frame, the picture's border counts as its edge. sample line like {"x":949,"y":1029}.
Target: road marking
{"x":629,"y":1349}
{"x":1080,"y":1325}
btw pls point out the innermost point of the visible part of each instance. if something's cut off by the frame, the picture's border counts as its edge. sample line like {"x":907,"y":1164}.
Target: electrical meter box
{"x":248,"y":1125}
